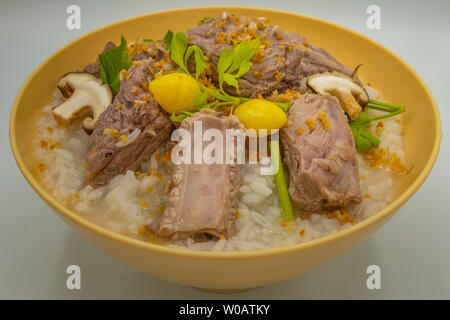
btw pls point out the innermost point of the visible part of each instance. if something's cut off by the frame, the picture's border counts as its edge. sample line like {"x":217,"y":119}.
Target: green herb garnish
{"x":235,"y":62}
{"x":199,"y":59}
{"x":283,"y":105}
{"x":168,"y":39}
{"x":147,"y":40}
{"x":364,"y":141}
{"x":180,"y":117}
{"x":202,"y":20}
{"x":283,"y":194}
{"x":178,"y":48}
{"x":112,"y":62}
{"x":200,"y":100}
{"x":180,"y":53}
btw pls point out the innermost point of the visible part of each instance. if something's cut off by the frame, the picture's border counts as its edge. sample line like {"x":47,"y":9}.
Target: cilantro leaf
{"x":112,"y":62}
{"x":243,"y":69}
{"x":243,"y":52}
{"x":235,"y":62}
{"x":168,"y":39}
{"x":177,"y":50}
{"x":225,"y":60}
{"x":180,"y":53}
{"x":230,"y":80}
{"x":199,"y":59}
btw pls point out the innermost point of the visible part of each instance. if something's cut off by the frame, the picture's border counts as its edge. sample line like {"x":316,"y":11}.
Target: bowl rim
{"x":187,"y":253}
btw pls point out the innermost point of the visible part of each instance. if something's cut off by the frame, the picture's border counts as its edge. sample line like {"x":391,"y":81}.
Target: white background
{"x":36,"y":246}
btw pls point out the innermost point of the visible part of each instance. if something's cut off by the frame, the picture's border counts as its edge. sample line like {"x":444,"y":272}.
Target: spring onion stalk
{"x":391,"y":109}
{"x":283,"y":194}
{"x":364,"y":141}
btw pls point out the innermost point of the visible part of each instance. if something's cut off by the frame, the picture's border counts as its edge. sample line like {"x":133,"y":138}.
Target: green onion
{"x":283,"y":194}
{"x":391,"y":109}
{"x":364,"y":141}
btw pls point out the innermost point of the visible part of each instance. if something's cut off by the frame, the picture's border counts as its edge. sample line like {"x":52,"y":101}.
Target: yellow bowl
{"x":397,"y":82}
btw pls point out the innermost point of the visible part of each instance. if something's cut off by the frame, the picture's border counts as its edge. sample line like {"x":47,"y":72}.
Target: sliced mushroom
{"x":86,"y":98}
{"x":350,"y":94}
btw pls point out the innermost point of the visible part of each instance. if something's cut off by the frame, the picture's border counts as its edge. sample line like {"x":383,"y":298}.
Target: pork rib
{"x":203,"y":197}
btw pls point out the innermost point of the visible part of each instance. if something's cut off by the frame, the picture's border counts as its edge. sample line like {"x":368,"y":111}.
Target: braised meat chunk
{"x":129,"y":130}
{"x":320,"y":154}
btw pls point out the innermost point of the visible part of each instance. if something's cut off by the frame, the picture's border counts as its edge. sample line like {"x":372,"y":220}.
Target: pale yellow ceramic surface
{"x":383,"y":69}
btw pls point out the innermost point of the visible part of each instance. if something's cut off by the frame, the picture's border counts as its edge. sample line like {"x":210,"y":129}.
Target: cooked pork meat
{"x":283,"y":59}
{"x":134,"y":114}
{"x":320,"y":154}
{"x":155,"y":50}
{"x":203,"y":197}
